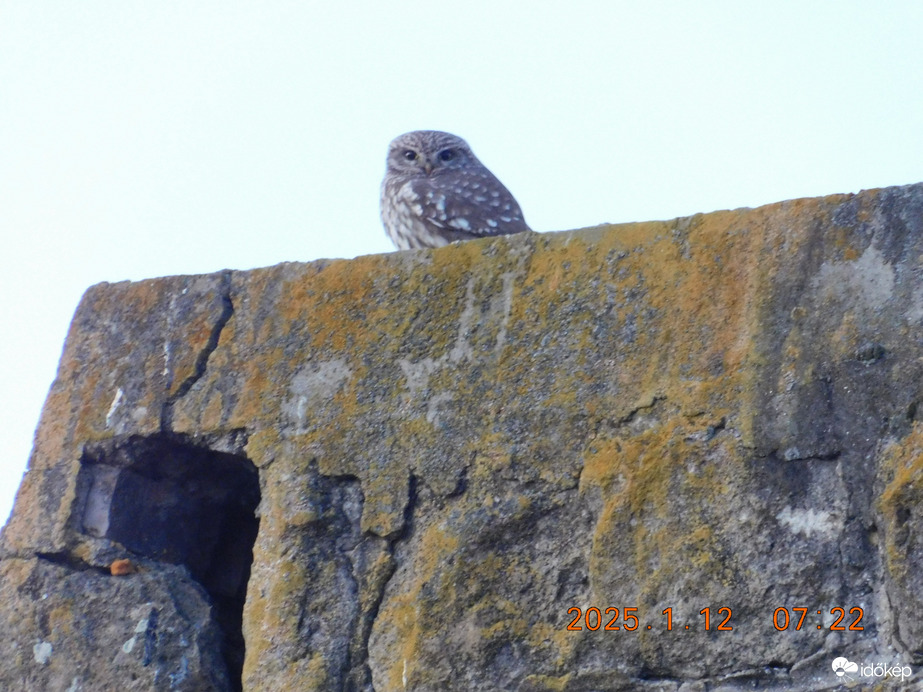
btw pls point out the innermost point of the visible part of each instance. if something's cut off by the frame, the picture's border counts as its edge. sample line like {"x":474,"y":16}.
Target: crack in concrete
{"x":360,"y":673}
{"x":69,"y":561}
{"x":633,"y":414}
{"x":201,"y":363}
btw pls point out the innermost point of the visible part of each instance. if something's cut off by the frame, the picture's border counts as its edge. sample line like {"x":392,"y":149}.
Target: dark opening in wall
{"x":167,"y":499}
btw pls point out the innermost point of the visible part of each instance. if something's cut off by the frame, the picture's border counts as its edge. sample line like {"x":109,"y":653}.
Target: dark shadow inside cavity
{"x":172,"y":501}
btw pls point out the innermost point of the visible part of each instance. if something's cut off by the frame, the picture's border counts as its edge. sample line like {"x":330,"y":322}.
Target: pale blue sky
{"x":152,"y":138}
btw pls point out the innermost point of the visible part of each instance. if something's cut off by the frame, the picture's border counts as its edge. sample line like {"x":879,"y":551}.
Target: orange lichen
{"x":122,"y":567}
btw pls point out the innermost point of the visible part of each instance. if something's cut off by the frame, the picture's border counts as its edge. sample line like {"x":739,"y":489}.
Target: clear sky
{"x":153,"y":138}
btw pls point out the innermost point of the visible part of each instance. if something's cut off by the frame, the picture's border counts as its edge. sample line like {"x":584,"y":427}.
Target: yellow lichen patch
{"x":602,"y":465}
{"x":491,"y":456}
{"x":547,"y":683}
{"x":554,"y":641}
{"x":902,"y":470}
{"x":642,"y":477}
{"x":262,"y":446}
{"x":323,"y":300}
{"x":506,"y":629}
{"x":355,"y":293}
{"x":695,"y":302}
{"x":903,"y":462}
{"x":254,"y":404}
{"x":61,"y":620}
{"x":272,"y":618}
{"x":309,"y":673}
{"x":213,"y":413}
{"x":405,"y":619}
{"x":382,"y":515}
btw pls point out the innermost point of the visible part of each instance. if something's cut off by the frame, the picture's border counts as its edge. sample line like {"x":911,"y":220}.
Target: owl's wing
{"x":467,"y":203}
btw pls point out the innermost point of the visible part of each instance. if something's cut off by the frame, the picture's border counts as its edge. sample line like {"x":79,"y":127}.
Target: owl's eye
{"x":409,"y":154}
{"x":446,"y":155}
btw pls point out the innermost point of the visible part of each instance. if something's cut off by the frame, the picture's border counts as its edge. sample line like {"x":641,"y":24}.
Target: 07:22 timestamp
{"x":781,"y":619}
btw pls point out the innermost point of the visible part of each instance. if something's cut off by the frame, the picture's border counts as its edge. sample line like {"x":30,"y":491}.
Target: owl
{"x":435,"y":192}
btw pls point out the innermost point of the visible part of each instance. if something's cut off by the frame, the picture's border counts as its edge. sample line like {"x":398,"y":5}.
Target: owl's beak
{"x":428,"y":166}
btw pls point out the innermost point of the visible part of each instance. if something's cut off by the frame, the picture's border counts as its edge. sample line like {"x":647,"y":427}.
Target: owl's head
{"x":428,"y":152}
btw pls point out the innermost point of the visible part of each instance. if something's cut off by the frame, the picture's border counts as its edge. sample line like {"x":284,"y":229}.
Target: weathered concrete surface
{"x":455,"y":448}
